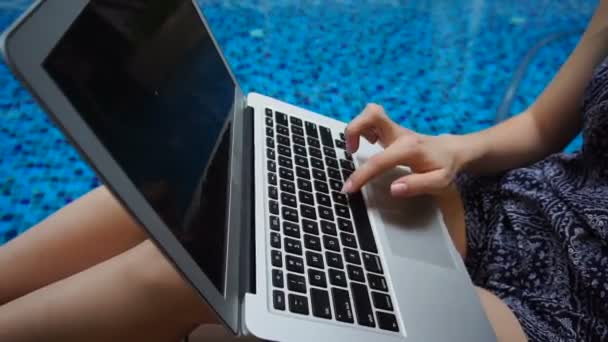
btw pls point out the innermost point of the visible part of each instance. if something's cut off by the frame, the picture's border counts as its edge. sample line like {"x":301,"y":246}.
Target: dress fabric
{"x":538,"y":235}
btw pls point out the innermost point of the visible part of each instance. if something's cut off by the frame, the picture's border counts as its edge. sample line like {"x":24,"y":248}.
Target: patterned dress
{"x":538,"y":235}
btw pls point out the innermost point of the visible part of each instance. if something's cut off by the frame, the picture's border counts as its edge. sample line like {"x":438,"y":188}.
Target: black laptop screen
{"x":148,"y":80}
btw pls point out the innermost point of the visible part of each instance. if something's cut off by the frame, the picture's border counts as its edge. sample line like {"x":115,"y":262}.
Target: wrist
{"x":468,"y":149}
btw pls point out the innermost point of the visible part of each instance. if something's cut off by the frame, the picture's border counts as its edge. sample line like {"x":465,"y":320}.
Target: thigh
{"x":452,"y":210}
{"x":503,"y":320}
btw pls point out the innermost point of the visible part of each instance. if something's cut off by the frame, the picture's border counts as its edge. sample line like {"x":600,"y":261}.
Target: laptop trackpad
{"x":413,"y":226}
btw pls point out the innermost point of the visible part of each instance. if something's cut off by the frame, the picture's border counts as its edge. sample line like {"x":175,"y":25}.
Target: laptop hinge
{"x":248,"y":238}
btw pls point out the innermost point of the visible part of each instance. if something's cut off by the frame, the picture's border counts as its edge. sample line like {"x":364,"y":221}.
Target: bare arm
{"x":551,"y":121}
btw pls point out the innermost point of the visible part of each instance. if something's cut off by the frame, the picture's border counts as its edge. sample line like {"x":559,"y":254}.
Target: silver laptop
{"x":241,"y":191}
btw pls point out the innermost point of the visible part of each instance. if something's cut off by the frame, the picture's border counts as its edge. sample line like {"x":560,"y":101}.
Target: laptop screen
{"x":147,"y":78}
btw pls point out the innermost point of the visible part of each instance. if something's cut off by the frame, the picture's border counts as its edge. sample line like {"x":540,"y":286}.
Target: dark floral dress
{"x":538,"y":235}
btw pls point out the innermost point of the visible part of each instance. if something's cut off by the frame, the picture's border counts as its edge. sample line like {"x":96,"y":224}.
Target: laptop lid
{"x":143,"y":91}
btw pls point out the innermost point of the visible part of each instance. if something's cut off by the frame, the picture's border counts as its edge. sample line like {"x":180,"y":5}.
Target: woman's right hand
{"x":434,"y":160}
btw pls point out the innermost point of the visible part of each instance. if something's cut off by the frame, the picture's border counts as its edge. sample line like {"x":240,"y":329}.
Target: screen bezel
{"x":25,"y":46}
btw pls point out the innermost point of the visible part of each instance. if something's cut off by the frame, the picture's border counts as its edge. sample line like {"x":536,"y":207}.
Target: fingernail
{"x":398,"y":189}
{"x":348,"y":187}
{"x":349,"y":148}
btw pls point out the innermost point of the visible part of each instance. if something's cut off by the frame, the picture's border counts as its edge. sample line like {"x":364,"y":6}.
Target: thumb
{"x":420,"y":183}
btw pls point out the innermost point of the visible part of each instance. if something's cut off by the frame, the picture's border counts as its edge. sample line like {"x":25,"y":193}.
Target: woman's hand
{"x":434,"y":160}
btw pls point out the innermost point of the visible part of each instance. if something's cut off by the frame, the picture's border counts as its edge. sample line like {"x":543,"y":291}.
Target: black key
{"x":302,"y":172}
{"x":277,"y":258}
{"x":303,"y":184}
{"x":282,"y":129}
{"x":296,"y":121}
{"x":284,"y":150}
{"x":308,"y":211}
{"x":272,"y":166}
{"x":331,"y":243}
{"x":345,"y":164}
{"x":337,"y":278}
{"x":274,"y":207}
{"x":377,"y":282}
{"x":319,"y":175}
{"x":323,"y":199}
{"x":291,"y":229}
{"x":296,"y":283}
{"x":306,"y":197}
{"x":317,"y":278}
{"x":330,"y":152}
{"x":382,"y":301}
{"x":289,"y":199}
{"x":298,"y":140}
{"x":348,"y":156}
{"x":269,"y":132}
{"x":281,"y":139}
{"x":297,"y":131}
{"x":285,"y":162}
{"x":315,"y":152}
{"x":342,"y":211}
{"x":340,"y":144}
{"x":301,"y":161}
{"x":313,"y":142}
{"x":289,"y":214}
{"x":311,"y":129}
{"x":318,"y":163}
{"x":285,"y":173}
{"x":277,"y":278}
{"x":274,"y":223}
{"x":333,"y":173}
{"x":328,"y":228}
{"x":335,"y":185}
{"x":272,"y":178}
{"x":331,"y":162}
{"x":372,"y":263}
{"x":352,"y":256}
{"x":326,"y":213}
{"x":297,"y":149}
{"x":334,"y":260}
{"x":314,"y":260}
{"x":387,"y":321}
{"x":269,"y":142}
{"x":342,"y":306}
{"x":268,"y":112}
{"x":298,"y":304}
{"x":346,"y":173}
{"x":293,"y":246}
{"x":273,"y":192}
{"x":311,"y":242}
{"x":288,"y":186}
{"x":339,"y":198}
{"x":348,"y":240}
{"x":275,"y":240}
{"x":363,"y":227}
{"x":310,"y":227}
{"x":326,"y":137}
{"x":294,"y":264}
{"x":355,"y":273}
{"x":342,"y":137}
{"x":319,"y":300}
{"x":321,"y":186}
{"x":345,"y":225}
{"x":281,"y":118}
{"x":269,"y":122}
{"x":270,"y":153}
{"x":278,"y":300}
{"x":363,"y":307}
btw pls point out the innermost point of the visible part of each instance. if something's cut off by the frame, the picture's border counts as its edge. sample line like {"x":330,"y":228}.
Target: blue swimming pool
{"x":436,"y":66}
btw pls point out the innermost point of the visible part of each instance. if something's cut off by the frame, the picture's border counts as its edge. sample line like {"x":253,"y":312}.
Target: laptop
{"x":241,"y":191}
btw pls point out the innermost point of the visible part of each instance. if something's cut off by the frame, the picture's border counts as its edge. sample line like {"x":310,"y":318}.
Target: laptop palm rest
{"x":413,"y":226}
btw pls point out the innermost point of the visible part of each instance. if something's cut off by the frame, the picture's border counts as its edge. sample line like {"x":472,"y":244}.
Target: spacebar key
{"x":362,"y":225}
{"x":363,"y":306}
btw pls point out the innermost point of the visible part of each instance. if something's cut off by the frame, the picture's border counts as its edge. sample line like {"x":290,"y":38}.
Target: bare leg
{"x":137,"y":295}
{"x":84,"y":233}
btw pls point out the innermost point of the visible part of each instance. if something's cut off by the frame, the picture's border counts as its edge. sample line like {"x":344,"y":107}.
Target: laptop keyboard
{"x":324,"y":257}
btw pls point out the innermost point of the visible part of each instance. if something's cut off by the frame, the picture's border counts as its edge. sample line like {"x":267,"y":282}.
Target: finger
{"x":371,"y":116}
{"x":420,"y":183}
{"x":394,"y":155}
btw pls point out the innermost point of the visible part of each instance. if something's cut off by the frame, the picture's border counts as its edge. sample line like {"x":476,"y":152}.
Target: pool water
{"x":436,"y":66}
